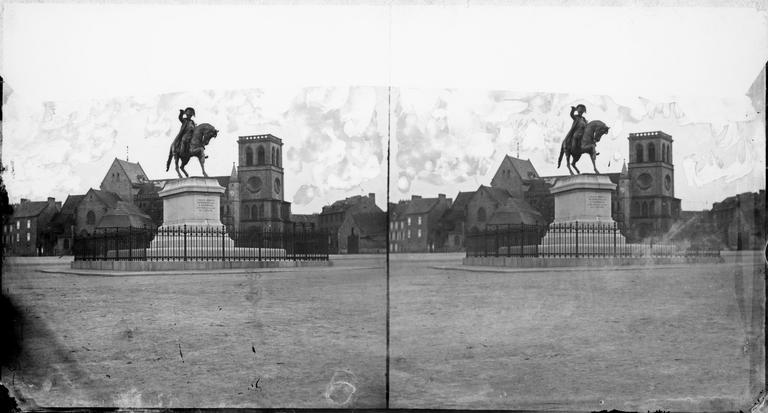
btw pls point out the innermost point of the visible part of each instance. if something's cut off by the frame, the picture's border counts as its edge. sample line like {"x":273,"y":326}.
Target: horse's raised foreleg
{"x":592,"y":156}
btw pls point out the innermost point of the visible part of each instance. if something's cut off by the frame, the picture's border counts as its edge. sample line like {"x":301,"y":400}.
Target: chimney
{"x":372,"y":196}
{"x":413,"y":197}
{"x":24,"y":200}
{"x":441,"y":196}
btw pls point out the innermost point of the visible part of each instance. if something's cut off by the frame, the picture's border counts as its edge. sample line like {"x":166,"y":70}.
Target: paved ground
{"x":291,"y":338}
{"x":675,"y":338}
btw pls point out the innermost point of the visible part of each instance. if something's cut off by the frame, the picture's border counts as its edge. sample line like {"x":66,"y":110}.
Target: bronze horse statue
{"x":585,"y":143}
{"x":201,"y":136}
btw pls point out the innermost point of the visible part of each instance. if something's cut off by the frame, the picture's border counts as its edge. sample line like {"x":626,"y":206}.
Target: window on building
{"x":645,"y":210}
{"x":248,"y":156}
{"x":28,"y":236}
{"x":409,"y":234}
{"x":409,"y":221}
{"x":481,"y":214}
{"x":254,"y":212}
{"x":17,"y":237}
{"x":638,"y":153}
{"x":418,"y":220}
{"x":418,"y":233}
{"x":261,"y":211}
{"x":260,"y":156}
{"x":90,"y":218}
{"x":278,"y":157}
{"x":651,"y":152}
{"x":29,"y":223}
{"x":18,"y":224}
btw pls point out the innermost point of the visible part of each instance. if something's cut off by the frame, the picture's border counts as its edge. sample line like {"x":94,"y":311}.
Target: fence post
{"x":185,"y":241}
{"x":130,"y":243}
{"x":615,"y":228}
{"x":223,"y":234}
{"x":577,"y":239}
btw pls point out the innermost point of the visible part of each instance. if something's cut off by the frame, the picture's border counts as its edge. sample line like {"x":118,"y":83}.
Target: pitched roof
{"x":371,"y":223}
{"x":462,"y":199}
{"x":108,"y":198}
{"x":133,"y":171}
{"x":523,"y":167}
{"x":420,"y":205}
{"x":29,"y":209}
{"x":341,"y":205}
{"x":67,"y":212}
{"x":499,"y":195}
{"x":515,"y":211}
{"x":71,"y":203}
{"x":125,"y":214}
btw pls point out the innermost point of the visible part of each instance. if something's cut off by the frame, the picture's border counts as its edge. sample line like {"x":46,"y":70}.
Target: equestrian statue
{"x":190,"y":141}
{"x":581,"y":138}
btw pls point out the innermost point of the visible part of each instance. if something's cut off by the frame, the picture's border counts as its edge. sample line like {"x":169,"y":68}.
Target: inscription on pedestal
{"x":205,"y":205}
{"x":597,"y":201}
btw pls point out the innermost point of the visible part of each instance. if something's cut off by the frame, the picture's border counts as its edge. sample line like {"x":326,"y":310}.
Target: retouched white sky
{"x":87,"y":80}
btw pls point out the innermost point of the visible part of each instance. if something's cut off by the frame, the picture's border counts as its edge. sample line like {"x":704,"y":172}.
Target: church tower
{"x":653,"y":206}
{"x":260,"y":177}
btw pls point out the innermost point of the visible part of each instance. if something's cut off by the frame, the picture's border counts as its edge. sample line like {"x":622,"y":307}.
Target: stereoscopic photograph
{"x":453,"y":205}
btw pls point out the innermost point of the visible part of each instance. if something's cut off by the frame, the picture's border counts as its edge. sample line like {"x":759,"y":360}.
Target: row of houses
{"x":127,"y":198}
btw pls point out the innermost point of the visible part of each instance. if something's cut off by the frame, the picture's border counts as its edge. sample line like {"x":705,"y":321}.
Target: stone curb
{"x":564,"y":269}
{"x":99,"y":273}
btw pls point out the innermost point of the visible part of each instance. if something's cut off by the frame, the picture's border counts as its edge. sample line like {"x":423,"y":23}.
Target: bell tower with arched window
{"x":653,"y":206}
{"x":260,"y":175}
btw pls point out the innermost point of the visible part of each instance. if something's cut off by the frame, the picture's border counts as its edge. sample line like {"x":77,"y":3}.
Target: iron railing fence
{"x":187,"y":243}
{"x":574,"y":239}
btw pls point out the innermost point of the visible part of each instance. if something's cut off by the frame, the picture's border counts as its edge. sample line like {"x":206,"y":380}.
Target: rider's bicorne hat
{"x":189,"y":112}
{"x":579,"y":106}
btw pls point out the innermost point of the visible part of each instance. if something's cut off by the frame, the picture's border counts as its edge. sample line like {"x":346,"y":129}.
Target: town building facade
{"x":26,"y":232}
{"x":414,"y":224}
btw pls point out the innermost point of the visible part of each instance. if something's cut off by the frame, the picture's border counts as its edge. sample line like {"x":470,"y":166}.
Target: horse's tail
{"x":170,"y":156}
{"x":560,"y":159}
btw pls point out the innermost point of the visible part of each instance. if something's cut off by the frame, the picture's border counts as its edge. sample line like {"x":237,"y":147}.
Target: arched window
{"x":638,"y":153}
{"x":248,"y":156}
{"x":645,"y":210}
{"x":254,"y":212}
{"x":481,"y":214}
{"x":261,"y":211}
{"x":273,"y":161}
{"x":664,"y":149}
{"x":651,"y":153}
{"x":278,"y":161}
{"x":260,"y":156}
{"x":90,"y":218}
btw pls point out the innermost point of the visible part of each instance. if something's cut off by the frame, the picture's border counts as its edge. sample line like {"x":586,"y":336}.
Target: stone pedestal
{"x":583,"y":223}
{"x":191,"y":220}
{"x":193,"y":202}
{"x":583,"y":198}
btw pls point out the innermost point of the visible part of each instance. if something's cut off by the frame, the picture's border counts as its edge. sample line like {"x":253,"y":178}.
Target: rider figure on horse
{"x":573,"y":138}
{"x":187,"y":127}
